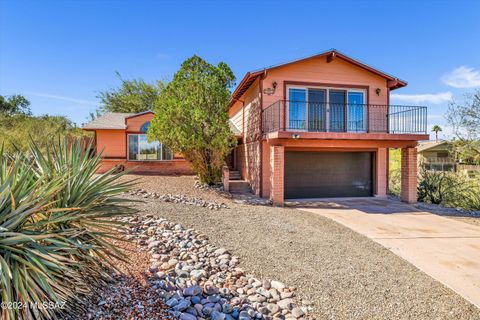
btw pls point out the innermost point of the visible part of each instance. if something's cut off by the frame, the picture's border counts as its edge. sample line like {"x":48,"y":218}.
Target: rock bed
{"x":178,"y":198}
{"x":200,"y":281}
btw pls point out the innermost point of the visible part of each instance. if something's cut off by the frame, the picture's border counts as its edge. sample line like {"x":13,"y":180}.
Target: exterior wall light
{"x":295,"y":136}
{"x":271,"y":91}
{"x":377,"y":91}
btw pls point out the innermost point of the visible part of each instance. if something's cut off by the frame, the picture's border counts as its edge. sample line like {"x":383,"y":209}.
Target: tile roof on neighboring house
{"x":110,"y":120}
{"x":423,"y":146}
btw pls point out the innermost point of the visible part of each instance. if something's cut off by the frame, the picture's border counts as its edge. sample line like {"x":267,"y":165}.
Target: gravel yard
{"x":344,"y":274}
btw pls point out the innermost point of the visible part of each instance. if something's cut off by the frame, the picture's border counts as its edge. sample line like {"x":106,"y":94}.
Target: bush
{"x":449,"y":189}
{"x":55,"y":220}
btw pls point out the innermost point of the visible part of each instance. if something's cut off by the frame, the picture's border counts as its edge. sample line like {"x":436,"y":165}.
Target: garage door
{"x":327,"y":174}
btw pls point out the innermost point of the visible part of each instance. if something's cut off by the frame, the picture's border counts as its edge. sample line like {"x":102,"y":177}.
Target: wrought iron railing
{"x":289,"y":115}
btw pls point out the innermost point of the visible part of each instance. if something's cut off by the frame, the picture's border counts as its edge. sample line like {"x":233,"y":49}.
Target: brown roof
{"x":109,"y":120}
{"x":427,"y":145}
{"x":251,"y":76}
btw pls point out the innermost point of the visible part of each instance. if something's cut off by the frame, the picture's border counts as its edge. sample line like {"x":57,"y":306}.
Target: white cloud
{"x":434,"y":98}
{"x":64,"y":98}
{"x":462,"y":77}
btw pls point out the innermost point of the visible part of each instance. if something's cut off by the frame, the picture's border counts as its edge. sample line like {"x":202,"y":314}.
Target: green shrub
{"x":449,"y":189}
{"x":55,"y":220}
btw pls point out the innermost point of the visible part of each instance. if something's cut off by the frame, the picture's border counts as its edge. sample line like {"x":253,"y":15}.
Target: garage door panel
{"x":328,"y":174}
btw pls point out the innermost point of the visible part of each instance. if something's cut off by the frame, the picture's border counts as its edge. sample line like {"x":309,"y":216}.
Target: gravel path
{"x":344,"y":274}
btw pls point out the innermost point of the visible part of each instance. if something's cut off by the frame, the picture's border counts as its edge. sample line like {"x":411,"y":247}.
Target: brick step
{"x":239,"y":186}
{"x":235,"y":175}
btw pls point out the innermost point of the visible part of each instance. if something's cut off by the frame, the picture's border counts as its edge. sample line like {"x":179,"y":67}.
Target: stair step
{"x":234,"y":175}
{"x":239,"y":186}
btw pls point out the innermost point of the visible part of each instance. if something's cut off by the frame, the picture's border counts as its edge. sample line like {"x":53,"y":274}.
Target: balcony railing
{"x":288,"y":115}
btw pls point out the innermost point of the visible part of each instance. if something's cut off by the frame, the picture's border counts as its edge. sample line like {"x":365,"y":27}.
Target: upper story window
{"x":326,"y":109}
{"x":144,"y":127}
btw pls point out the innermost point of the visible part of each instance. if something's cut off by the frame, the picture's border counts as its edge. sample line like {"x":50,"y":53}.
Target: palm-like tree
{"x":436,"y":128}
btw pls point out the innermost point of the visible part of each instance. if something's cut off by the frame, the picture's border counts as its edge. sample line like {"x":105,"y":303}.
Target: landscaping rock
{"x":200,"y":281}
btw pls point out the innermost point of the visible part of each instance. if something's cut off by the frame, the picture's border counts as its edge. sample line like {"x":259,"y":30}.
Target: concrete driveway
{"x":446,"y":249}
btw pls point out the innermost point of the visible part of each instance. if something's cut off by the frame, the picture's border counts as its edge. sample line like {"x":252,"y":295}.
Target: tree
{"x":15,"y":104}
{"x":19,"y":130}
{"x":436,"y":128}
{"x":464,"y":118}
{"x":132,"y":96}
{"x":191,"y":116}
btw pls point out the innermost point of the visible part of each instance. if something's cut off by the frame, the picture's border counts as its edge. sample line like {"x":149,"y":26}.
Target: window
{"x":326,"y":109}
{"x":145,"y":126}
{"x":139,"y":149}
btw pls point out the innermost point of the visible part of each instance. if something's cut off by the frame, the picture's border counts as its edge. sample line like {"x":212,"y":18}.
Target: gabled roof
{"x":139,"y":114}
{"x":109,"y":120}
{"x":251,"y":76}
{"x":424,"y":146}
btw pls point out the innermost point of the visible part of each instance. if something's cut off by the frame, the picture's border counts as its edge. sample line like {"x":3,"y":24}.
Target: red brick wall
{"x":408,"y":191}
{"x":277,"y":160}
{"x":153,"y":167}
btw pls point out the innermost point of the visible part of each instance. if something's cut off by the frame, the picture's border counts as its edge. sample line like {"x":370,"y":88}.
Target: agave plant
{"x":33,"y":272}
{"x":56,"y":219}
{"x":87,"y":202}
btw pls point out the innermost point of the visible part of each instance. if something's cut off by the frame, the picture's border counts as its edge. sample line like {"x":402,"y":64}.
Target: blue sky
{"x":60,"y":54}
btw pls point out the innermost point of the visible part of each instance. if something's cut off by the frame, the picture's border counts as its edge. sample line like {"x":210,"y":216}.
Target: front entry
{"x":328,"y":174}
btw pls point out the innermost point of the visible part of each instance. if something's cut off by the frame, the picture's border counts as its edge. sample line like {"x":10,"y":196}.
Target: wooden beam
{"x":392,"y":83}
{"x":330,"y":57}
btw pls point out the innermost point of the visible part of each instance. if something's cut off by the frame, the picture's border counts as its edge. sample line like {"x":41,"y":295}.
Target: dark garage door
{"x":327,"y":174}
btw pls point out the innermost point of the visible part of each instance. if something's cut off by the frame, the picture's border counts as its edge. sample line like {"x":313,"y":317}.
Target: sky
{"x":61,"y":54}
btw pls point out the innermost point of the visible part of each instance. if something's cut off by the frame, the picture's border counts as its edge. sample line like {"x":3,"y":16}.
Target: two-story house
{"x":321,"y":127}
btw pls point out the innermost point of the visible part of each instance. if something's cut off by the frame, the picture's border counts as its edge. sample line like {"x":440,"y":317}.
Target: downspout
{"x":261,"y":131}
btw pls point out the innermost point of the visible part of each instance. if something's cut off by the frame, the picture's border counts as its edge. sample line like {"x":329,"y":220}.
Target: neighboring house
{"x":121,"y":137}
{"x":321,"y":127}
{"x":435,"y":155}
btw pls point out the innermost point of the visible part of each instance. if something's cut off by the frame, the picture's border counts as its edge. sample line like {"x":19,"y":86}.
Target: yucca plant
{"x":56,"y":220}
{"x":33,"y":269}
{"x":87,"y":202}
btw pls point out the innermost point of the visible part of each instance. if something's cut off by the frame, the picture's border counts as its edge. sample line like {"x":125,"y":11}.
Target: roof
{"x":424,"y":146}
{"x":109,"y":120}
{"x":251,"y":76}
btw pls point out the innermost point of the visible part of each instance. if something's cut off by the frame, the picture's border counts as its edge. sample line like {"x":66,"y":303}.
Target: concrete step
{"x":239,"y":186}
{"x":235,"y":175}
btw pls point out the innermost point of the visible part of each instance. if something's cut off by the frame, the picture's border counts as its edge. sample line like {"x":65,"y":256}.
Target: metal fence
{"x":284,"y":115}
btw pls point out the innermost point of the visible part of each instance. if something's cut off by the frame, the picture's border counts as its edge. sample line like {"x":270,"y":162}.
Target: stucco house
{"x":122,"y":139}
{"x":435,"y":155}
{"x":321,"y":126}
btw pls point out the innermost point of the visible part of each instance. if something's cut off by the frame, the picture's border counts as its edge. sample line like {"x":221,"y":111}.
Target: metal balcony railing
{"x":289,"y":115}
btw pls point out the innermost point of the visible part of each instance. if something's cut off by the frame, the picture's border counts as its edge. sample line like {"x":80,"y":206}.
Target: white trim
{"x":327,"y":101}
{"x":138,"y":143}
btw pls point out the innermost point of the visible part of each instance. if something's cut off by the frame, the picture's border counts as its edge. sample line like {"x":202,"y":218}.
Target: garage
{"x":328,"y":174}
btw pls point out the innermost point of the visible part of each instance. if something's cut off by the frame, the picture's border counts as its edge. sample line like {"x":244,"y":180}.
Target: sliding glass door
{"x":316,"y":110}
{"x":356,"y":112}
{"x":326,"y":109}
{"x":297,"y":109}
{"x":337,"y":110}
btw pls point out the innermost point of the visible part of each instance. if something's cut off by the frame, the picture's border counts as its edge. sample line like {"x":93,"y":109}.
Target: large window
{"x":139,"y":149}
{"x":326,"y":109}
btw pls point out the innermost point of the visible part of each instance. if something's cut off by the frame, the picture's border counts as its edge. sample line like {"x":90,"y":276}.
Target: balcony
{"x":302,"y":116}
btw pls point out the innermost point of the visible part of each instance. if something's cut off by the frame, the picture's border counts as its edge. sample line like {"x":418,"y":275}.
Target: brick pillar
{"x":226,"y":178}
{"x":381,"y":172}
{"x":408,"y":191}
{"x":276,"y":174}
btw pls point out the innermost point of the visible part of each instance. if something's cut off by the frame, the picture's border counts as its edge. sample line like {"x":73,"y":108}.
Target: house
{"x":321,"y":127}
{"x":435,"y":155}
{"x":122,"y":140}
